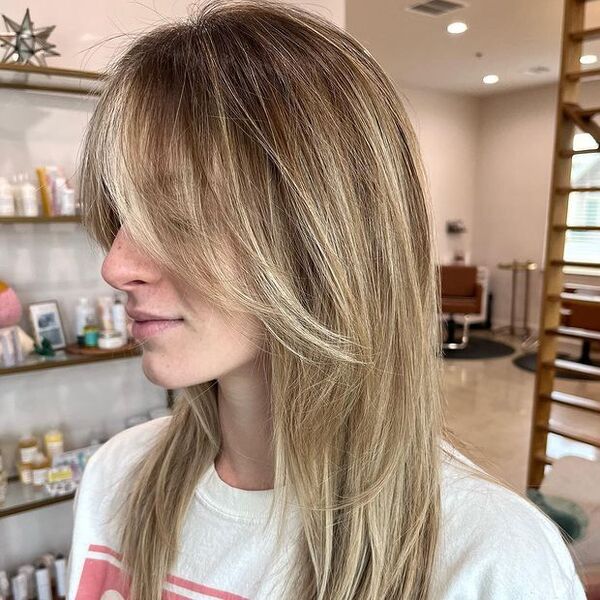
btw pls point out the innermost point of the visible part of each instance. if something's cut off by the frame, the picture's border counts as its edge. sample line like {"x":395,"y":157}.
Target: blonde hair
{"x":262,"y":131}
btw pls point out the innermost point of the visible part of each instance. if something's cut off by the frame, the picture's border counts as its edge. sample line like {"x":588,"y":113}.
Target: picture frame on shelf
{"x":46,"y":322}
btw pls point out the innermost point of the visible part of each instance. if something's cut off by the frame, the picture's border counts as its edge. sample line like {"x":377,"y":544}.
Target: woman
{"x":256,"y":182}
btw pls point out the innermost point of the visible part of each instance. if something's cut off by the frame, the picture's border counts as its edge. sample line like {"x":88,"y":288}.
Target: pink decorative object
{"x":10,"y":306}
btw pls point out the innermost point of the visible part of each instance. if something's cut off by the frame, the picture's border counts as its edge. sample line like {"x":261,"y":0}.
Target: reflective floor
{"x":489,"y":407}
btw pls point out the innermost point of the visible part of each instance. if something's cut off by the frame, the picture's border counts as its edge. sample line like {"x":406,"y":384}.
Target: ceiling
{"x":512,"y":35}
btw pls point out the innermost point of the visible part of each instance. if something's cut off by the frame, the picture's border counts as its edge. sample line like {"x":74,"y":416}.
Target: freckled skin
{"x":204,"y":347}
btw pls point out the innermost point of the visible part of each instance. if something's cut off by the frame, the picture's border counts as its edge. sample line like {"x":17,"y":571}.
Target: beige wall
{"x":512,"y":188}
{"x":513,"y":172}
{"x":447,"y":126}
{"x":489,"y":162}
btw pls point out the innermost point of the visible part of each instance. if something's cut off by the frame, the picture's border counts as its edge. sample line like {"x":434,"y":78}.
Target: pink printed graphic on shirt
{"x":102,"y":578}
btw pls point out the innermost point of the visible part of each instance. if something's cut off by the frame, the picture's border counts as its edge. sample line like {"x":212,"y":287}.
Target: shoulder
{"x":111,"y":462}
{"x":130,"y":441}
{"x":497,"y":544}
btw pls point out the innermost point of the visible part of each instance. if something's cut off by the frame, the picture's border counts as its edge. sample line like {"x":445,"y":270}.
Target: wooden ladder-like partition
{"x":569,"y":115}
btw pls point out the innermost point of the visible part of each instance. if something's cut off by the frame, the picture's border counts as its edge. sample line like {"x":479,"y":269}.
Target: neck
{"x":245,"y":460}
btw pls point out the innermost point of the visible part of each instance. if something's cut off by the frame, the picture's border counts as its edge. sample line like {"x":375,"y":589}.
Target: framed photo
{"x":46,"y":322}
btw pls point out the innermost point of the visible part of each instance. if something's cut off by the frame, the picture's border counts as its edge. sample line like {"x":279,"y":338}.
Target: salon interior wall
{"x":513,"y":173}
{"x":489,"y":162}
{"x":447,"y":128}
{"x":56,"y":261}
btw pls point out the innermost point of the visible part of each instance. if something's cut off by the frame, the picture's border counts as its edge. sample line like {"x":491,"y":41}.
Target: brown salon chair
{"x":461,"y":295}
{"x":582,"y":316}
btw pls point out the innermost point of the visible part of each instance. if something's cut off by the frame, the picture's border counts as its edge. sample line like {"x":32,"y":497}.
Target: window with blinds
{"x":584,"y":207}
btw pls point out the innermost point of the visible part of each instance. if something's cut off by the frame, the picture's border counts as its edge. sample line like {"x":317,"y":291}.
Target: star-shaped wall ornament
{"x":26,"y":44}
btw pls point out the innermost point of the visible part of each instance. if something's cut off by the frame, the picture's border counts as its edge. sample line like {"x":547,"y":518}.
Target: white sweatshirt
{"x":494,"y":544}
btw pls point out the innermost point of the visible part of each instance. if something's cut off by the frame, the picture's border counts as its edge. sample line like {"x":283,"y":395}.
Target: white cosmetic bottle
{"x":29,"y":199}
{"x":84,"y":315}
{"x":7,"y":201}
{"x":120,"y":318}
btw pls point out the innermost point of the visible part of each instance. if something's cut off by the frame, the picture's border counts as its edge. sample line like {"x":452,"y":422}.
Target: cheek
{"x":203,"y":351}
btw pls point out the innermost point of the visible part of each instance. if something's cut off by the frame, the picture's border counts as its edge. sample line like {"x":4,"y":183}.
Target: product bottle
{"x":15,"y":183}
{"x":29,"y":572}
{"x":42,"y":582}
{"x":90,"y":336}
{"x":29,"y":199}
{"x":28,"y":447}
{"x":60,"y":184}
{"x":105,"y":304}
{"x":82,"y":311}
{"x":54,"y":443}
{"x":120,"y":318}
{"x":4,"y":586}
{"x":19,"y":587}
{"x":68,"y":201}
{"x":49,"y":560}
{"x":3,"y":481}
{"x":25,"y":473}
{"x":61,"y":576}
{"x":7,"y":201}
{"x":39,"y":469}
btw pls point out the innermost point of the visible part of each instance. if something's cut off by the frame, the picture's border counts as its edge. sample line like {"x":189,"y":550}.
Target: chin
{"x":160,"y":374}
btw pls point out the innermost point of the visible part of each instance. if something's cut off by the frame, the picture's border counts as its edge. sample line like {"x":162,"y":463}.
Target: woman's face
{"x":184,"y":343}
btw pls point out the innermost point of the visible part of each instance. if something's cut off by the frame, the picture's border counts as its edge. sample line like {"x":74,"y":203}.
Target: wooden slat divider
{"x":569,"y":433}
{"x":573,"y":401}
{"x":569,"y":115}
{"x":573,"y":366}
{"x":575,"y":332}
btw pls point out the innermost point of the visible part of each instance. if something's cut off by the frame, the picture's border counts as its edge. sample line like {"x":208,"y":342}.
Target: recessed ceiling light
{"x":491,"y":79}
{"x":588,"y":59}
{"x":457,"y":27}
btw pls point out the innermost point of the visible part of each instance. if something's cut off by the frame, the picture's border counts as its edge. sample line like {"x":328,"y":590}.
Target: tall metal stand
{"x":526,"y":267}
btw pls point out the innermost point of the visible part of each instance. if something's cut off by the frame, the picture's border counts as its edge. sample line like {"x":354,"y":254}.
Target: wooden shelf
{"x":54,"y":219}
{"x":61,"y":359}
{"x":21,"y":498}
{"x":18,"y":76}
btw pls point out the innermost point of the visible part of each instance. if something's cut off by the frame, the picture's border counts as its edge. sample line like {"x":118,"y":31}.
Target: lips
{"x":141,"y":316}
{"x":145,"y":329}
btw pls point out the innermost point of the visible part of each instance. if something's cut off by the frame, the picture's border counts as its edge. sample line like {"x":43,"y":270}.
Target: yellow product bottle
{"x":39,"y":470}
{"x":45,"y":192}
{"x":28,"y":448}
{"x":54,"y":443}
{"x":25,"y":473}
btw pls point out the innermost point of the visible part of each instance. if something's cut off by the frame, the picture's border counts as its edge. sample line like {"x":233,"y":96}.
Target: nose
{"x":125,"y":267}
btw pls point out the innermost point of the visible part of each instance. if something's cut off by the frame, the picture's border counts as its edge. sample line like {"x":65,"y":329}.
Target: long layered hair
{"x":263,"y":131}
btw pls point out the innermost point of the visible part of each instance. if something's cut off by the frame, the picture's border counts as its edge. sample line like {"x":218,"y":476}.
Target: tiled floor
{"x":489,"y":406}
